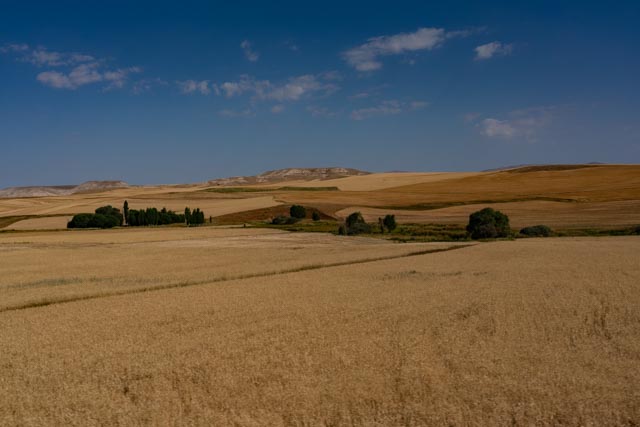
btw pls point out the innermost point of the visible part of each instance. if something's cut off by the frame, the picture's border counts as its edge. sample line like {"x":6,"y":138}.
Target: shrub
{"x":355,"y":224}
{"x":536,"y":231}
{"x":637,"y":230}
{"x":298,"y":211}
{"x":315,"y":216}
{"x":488,"y":223}
{"x":358,"y":228}
{"x":342,"y":230}
{"x":284,"y":220}
{"x":389,"y":222}
{"x":80,"y":220}
{"x":353,"y":219}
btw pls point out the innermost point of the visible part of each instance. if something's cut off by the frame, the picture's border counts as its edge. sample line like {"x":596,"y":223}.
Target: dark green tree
{"x":389,"y":222}
{"x":125,"y":211}
{"x":315,"y":216}
{"x":488,"y":223}
{"x":297,"y":211}
{"x":187,"y":215}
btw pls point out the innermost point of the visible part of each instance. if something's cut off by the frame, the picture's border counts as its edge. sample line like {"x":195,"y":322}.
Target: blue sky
{"x":171,"y":92}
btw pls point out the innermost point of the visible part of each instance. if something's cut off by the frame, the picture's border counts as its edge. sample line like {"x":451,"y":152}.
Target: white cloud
{"x":85,"y":74}
{"x":277,"y":109}
{"x":519,"y":124}
{"x":249,"y":53}
{"x":193,"y":86}
{"x":236,"y":113}
{"x":366,"y":57}
{"x":497,"y":128}
{"x":55,"y":79}
{"x":316,"y":111}
{"x":146,"y":85}
{"x":43,"y":57}
{"x":77,"y":69}
{"x":14,"y":47}
{"x":489,"y":50}
{"x":293,"y":89}
{"x":387,"y":108}
{"x":418,"y":105}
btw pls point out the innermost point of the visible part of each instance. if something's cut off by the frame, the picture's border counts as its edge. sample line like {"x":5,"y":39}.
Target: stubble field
{"x":259,"y":327}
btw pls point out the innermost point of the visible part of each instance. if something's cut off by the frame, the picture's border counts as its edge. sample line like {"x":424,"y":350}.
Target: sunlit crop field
{"x":248,"y":327}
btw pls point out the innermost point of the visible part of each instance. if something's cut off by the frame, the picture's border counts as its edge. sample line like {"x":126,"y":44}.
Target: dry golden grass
{"x":531,"y":332}
{"x":46,"y":223}
{"x":588,"y":196}
{"x":559,"y":215}
{"x":43,"y":268}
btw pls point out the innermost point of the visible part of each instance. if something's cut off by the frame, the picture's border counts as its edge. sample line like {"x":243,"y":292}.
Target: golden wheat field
{"x":245,"y":327}
{"x":249,"y":326}
{"x":564,"y":197}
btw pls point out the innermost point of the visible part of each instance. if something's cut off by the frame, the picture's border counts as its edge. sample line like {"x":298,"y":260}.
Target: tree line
{"x":109,"y":217}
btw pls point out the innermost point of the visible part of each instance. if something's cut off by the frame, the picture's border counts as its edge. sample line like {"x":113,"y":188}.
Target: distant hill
{"x":61,"y":190}
{"x":289,"y":174}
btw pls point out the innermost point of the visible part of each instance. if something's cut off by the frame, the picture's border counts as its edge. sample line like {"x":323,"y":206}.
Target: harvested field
{"x":531,"y":332}
{"x":46,"y":223}
{"x":561,"y":215}
{"x":572,"y":196}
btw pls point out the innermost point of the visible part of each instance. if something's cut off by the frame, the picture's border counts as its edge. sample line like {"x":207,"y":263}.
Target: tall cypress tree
{"x":125,"y":210}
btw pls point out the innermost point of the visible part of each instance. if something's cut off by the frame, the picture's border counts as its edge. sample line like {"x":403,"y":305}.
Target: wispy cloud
{"x":85,"y":74}
{"x":236,"y":113}
{"x":518,"y":124}
{"x":194,"y":86}
{"x":14,"y":47}
{"x":316,"y":111}
{"x":146,"y":85}
{"x":387,"y":108}
{"x":366,"y":57}
{"x":71,"y":69}
{"x":294,"y":89}
{"x":489,"y":50}
{"x":249,"y":53}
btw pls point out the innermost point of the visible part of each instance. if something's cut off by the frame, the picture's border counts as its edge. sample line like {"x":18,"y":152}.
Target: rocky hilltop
{"x":61,"y":190}
{"x":289,"y":174}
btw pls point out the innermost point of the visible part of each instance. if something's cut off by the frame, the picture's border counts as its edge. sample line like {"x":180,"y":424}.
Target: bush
{"x":389,"y":222}
{"x":298,"y":211}
{"x":488,"y":223}
{"x":315,"y":216}
{"x":359,"y":228}
{"x":284,"y":220}
{"x":353,"y":219}
{"x":342,"y":230}
{"x":637,"y":230}
{"x":536,"y":231}
{"x":355,"y":224}
{"x":80,"y":221}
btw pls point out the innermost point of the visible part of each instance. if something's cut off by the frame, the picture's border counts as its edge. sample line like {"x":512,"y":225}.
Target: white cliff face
{"x":290,"y":174}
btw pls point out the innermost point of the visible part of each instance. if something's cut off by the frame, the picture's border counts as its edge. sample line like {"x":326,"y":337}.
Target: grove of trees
{"x":104,"y":217}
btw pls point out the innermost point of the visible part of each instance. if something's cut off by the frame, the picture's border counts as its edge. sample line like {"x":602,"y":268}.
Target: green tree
{"x":297,"y":211}
{"x":187,"y":215}
{"x":315,"y":216}
{"x":488,"y":223}
{"x":354,"y":219}
{"x":125,"y":210}
{"x":389,"y":222}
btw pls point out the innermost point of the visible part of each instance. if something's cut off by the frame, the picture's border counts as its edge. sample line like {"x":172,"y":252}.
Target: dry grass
{"x":531,"y":332}
{"x":563,"y":196}
{"x":45,"y":223}
{"x":41,"y":268}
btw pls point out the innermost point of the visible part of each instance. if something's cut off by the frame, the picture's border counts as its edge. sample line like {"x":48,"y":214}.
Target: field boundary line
{"x":309,"y":267}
